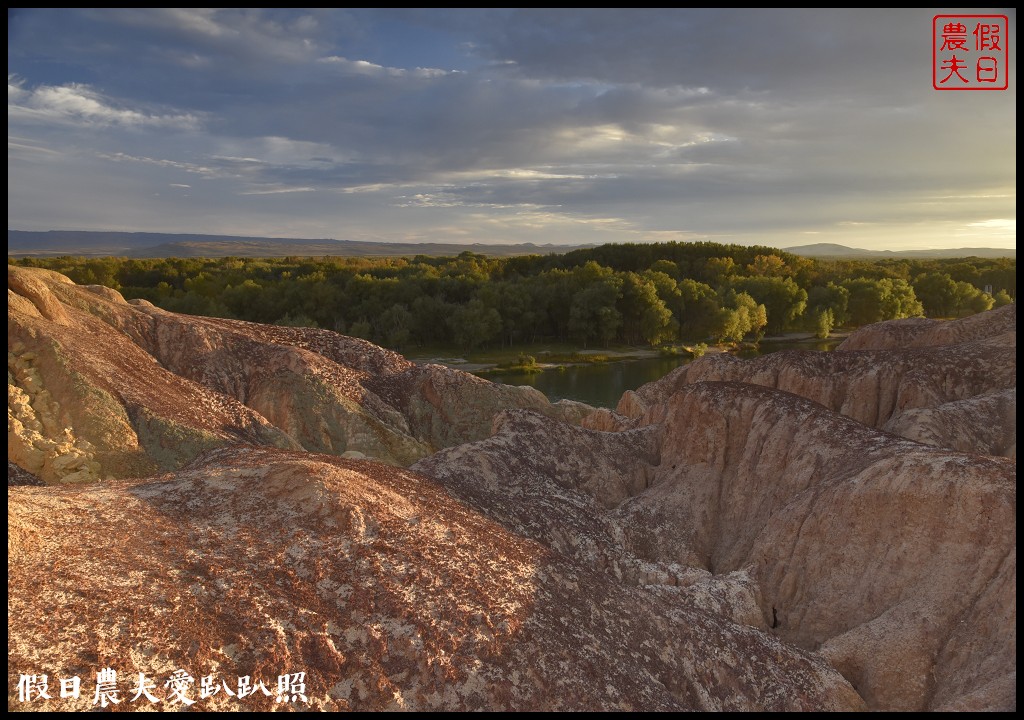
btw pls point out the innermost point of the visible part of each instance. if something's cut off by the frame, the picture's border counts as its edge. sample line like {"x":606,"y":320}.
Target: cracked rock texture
{"x":895,"y":560}
{"x":387,"y":592}
{"x":797,"y":532}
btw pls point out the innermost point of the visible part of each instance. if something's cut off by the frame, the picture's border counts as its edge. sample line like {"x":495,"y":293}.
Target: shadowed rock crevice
{"x":879,"y":552}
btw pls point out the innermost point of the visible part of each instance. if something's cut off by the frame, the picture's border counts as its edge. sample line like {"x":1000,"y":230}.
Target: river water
{"x":602,"y":384}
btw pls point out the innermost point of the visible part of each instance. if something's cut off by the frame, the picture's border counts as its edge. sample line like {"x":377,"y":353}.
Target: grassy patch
{"x":522,"y":364}
{"x":672,"y":351}
{"x":578,"y":358}
{"x":511,"y":358}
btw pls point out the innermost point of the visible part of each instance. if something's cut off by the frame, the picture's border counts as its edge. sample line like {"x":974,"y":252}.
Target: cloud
{"x":677,"y":123}
{"x":727,"y":50}
{"x":160,"y":162}
{"x":277,"y":190}
{"x":225,"y":32}
{"x":81,"y":105}
{"x":19,"y":146}
{"x":364,"y":67}
{"x":1001,"y":224}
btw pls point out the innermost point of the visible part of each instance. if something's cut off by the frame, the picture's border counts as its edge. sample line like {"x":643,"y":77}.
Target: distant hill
{"x":831,"y":250}
{"x":22,"y":243}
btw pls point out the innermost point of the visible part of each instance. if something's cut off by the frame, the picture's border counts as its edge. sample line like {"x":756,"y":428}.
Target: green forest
{"x":632,"y":294}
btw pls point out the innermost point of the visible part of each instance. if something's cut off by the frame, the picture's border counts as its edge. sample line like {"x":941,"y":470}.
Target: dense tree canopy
{"x":635,"y":294}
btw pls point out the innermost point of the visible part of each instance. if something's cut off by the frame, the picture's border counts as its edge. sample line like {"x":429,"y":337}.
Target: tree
{"x":700,"y":310}
{"x":1001,"y":276}
{"x":296,"y":320}
{"x":885,"y":299}
{"x":644,"y":314}
{"x":670,"y":294}
{"x":719,"y":270}
{"x":831,"y":297}
{"x":593,"y":314}
{"x":393,"y":326}
{"x":1002,"y":298}
{"x":475,"y":324}
{"x":783,"y":299}
{"x":937,"y":292}
{"x":824,"y":321}
{"x":361,"y":329}
{"x":513,"y":302}
{"x":667,"y":267}
{"x":899,"y":300}
{"x":430,"y":317}
{"x":768,"y":266}
{"x":740,"y":316}
{"x":865,"y":303}
{"x":756,"y":315}
{"x":969,"y":300}
{"x":553,"y":291}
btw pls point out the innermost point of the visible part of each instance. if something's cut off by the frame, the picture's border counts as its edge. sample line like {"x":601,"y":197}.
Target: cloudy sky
{"x":549,"y":126}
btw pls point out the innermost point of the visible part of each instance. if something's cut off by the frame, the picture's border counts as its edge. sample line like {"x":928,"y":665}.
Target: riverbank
{"x":545,"y":357}
{"x":551,"y":356}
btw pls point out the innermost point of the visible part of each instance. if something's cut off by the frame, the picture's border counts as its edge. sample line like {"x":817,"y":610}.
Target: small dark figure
{"x":775,"y":618}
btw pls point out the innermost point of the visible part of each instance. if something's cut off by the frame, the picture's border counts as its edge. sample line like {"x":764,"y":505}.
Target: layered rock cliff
{"x":908,"y":376}
{"x":894,"y":560}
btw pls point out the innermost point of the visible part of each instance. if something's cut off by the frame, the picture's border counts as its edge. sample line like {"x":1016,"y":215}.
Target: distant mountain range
{"x":21,"y":243}
{"x":833,"y":251}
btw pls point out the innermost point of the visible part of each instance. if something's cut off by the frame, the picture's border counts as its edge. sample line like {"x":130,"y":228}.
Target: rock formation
{"x":892,"y":559}
{"x":385,"y":591}
{"x":999,"y":326}
{"x":738,"y":536}
{"x":101,"y":387}
{"x":907,"y":376}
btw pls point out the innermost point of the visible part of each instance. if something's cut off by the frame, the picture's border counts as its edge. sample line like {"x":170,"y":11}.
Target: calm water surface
{"x":602,"y":384}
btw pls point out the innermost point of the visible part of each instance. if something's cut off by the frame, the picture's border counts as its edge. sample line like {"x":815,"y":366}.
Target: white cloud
{"x":251,"y":33}
{"x":514,"y":173}
{"x":275,"y":150}
{"x":178,"y":165}
{"x":277,"y":190}
{"x":15,"y":91}
{"x":197,"y":20}
{"x":997,"y":224}
{"x":78,"y":104}
{"x":453,"y":199}
{"x":364,"y":67}
{"x":28,"y":147}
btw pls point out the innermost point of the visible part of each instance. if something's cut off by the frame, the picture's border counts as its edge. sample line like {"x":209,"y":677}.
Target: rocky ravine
{"x":894,"y":560}
{"x":722,"y":543}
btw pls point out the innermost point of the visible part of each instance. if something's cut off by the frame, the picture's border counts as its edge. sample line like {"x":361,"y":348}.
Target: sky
{"x":773,"y":127}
